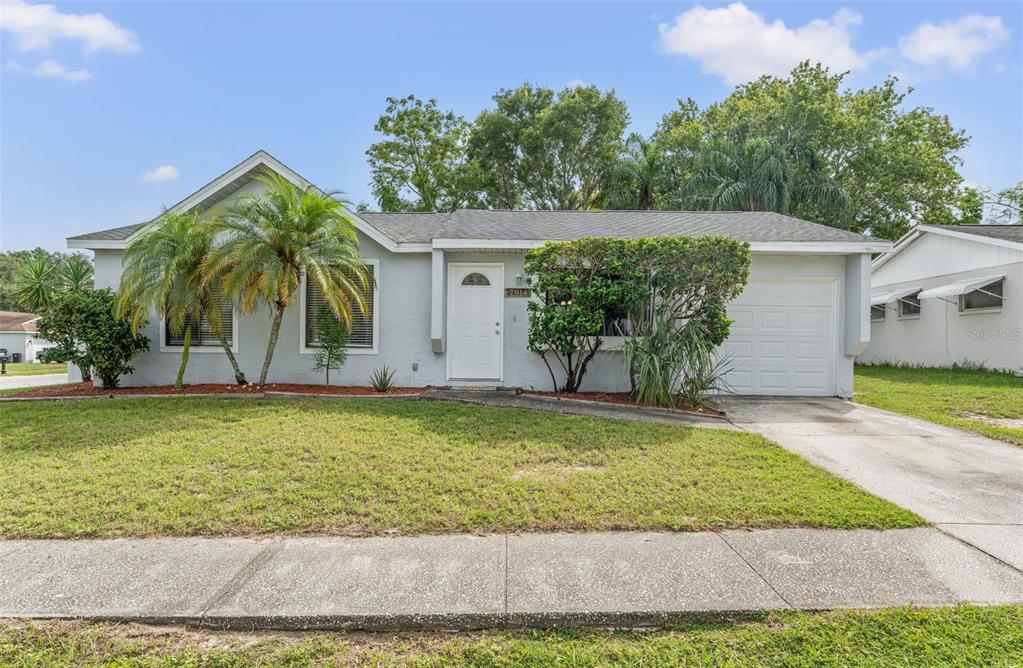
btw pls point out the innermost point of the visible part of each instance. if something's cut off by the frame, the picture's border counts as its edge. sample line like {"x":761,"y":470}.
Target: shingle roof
{"x":759,"y":226}
{"x":114,"y":234}
{"x":565,"y":225}
{"x":1005,"y":232}
{"x":14,"y":321}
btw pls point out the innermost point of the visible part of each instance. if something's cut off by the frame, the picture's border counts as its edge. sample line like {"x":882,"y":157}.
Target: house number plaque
{"x":516,"y":293}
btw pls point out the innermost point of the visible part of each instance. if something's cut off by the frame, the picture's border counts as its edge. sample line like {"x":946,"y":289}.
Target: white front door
{"x":475,"y":321}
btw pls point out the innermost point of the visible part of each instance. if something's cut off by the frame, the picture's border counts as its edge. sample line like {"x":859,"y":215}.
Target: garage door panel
{"x":739,"y":351}
{"x":782,"y":339}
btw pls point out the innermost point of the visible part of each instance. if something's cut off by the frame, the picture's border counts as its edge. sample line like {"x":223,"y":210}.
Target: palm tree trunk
{"x":184,"y":358}
{"x":275,"y":329}
{"x":239,"y":377}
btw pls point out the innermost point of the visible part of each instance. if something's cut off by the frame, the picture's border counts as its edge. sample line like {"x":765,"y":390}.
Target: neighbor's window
{"x":877,"y":313}
{"x":909,"y":306}
{"x":362,"y":324}
{"x":202,"y":333}
{"x":984,"y":298}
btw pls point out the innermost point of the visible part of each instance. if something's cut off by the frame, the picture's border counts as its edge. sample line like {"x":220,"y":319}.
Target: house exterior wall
{"x":942,"y":335}
{"x":404,"y":339}
{"x":16,"y":342}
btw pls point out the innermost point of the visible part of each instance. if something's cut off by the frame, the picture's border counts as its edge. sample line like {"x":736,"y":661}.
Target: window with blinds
{"x":362,"y":324}
{"x":202,"y":333}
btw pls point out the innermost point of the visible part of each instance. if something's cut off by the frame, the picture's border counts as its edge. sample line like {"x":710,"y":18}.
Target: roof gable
{"x":1006,"y":236}
{"x":216,"y":191}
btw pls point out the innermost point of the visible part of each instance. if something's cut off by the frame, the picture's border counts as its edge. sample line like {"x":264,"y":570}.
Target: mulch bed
{"x":622,"y":398}
{"x":87,"y":389}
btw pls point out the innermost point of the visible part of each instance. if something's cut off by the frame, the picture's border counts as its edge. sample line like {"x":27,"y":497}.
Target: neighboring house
{"x":948,"y":294}
{"x":449,"y":304}
{"x":18,"y":335}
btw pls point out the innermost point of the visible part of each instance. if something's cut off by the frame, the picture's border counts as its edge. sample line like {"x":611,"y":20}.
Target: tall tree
{"x":1006,"y":205}
{"x":421,"y":163}
{"x":755,"y":176}
{"x":164,"y":272}
{"x":898,"y":164}
{"x":272,"y":239}
{"x":637,"y":178}
{"x":542,"y":150}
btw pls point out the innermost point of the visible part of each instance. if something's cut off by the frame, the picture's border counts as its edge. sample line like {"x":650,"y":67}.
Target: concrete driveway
{"x":12,"y":382}
{"x":969,"y":486}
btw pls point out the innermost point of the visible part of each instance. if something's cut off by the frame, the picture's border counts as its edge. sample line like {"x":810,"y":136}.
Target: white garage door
{"x":782,"y":339}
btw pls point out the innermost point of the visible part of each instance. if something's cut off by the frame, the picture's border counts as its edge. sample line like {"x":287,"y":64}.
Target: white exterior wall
{"x":16,"y":342}
{"x":405,"y":345}
{"x":942,"y":335}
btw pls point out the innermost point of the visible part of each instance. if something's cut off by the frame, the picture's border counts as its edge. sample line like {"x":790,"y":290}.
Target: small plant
{"x":332,"y":336}
{"x":382,"y":379}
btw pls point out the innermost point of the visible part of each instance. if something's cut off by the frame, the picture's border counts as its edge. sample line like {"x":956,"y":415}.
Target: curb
{"x":412,"y":622}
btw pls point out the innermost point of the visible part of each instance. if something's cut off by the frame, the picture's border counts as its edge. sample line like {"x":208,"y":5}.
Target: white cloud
{"x":160,"y":174}
{"x":957,"y":44}
{"x":51,"y":68}
{"x":740,"y":45}
{"x":37,"y":27}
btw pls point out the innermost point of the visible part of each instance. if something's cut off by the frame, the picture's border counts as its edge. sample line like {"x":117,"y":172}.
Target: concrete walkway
{"x":506,"y":399}
{"x":463,"y":582}
{"x":969,"y":486}
{"x":12,"y":382}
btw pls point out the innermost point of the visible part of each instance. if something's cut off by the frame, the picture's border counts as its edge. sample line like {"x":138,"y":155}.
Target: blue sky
{"x":109,"y":111}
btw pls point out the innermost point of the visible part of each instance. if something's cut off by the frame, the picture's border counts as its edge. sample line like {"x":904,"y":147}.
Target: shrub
{"x":577,"y":285}
{"x":332,"y":336}
{"x":87,"y":334}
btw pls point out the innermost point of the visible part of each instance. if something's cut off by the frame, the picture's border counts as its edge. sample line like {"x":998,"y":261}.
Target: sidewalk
{"x":464,"y":582}
{"x":17,"y":382}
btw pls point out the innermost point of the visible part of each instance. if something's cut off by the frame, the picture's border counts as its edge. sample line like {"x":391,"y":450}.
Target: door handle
{"x":497,"y":331}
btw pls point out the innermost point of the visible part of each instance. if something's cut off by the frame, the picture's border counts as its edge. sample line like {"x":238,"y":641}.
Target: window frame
{"x":195,"y":348}
{"x":884,"y":312}
{"x":919,"y":305}
{"x":961,"y":301}
{"x":375,"y":350}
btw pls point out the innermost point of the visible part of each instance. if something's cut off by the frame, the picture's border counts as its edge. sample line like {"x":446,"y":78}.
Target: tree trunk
{"x":275,"y":329}
{"x":86,"y":372}
{"x":239,"y":377}
{"x":184,"y":358}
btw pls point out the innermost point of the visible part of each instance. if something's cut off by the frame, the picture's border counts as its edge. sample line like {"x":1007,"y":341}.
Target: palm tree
{"x":37,"y":283}
{"x":634,"y":179}
{"x":757,"y":175}
{"x":271,"y":240}
{"x":163,"y":273}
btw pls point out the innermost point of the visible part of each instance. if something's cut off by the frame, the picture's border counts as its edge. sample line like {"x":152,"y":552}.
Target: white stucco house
{"x":948,"y":294}
{"x":18,"y":335}
{"x":449,"y":303}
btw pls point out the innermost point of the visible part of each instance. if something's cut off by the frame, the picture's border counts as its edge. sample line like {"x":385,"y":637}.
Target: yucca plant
{"x":382,"y":379}
{"x":76,"y":273}
{"x":36,"y":283}
{"x":270,"y":240}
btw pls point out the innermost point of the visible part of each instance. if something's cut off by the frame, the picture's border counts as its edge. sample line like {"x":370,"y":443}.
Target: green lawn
{"x":963,"y":636}
{"x":984,"y":402}
{"x":149,"y":467}
{"x":29,"y":369}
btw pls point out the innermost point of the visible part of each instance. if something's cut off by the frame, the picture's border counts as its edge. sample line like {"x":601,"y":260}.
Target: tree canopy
{"x":862,"y":159}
